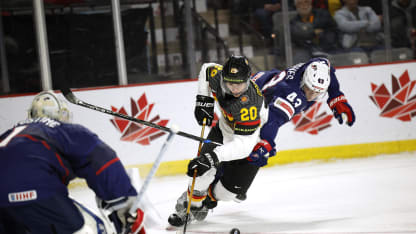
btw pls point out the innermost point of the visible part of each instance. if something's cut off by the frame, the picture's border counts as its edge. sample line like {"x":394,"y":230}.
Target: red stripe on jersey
{"x":62,"y":165}
{"x":288,"y":108}
{"x":49,"y":148}
{"x":106,"y":165}
{"x":46,"y":145}
{"x":28,"y":136}
{"x":252,"y":123}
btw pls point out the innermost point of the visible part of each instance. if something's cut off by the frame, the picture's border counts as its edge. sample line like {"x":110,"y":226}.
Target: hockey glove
{"x":340,"y":108}
{"x":117,"y":211}
{"x":204,"y":108}
{"x":261,"y":153}
{"x":202,"y":164}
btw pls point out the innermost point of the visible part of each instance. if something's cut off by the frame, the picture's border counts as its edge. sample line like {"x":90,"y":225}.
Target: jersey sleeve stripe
{"x":106,"y":165}
{"x":251,"y":123}
{"x":45,"y":144}
{"x":62,"y":165}
{"x":285,"y":106}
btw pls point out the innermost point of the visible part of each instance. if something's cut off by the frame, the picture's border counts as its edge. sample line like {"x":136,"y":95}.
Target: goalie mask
{"x":47,"y":104}
{"x":316,"y":79}
{"x":235,"y":76}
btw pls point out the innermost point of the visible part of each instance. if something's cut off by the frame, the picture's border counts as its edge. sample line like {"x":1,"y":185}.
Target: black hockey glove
{"x":204,"y":108}
{"x":202,"y":164}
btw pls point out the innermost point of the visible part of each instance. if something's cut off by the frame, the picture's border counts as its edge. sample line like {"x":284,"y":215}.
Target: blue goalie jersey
{"x":39,"y":157}
{"x":284,"y":97}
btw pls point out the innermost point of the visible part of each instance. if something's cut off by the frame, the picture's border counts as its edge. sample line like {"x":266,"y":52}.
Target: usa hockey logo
{"x":135,"y":132}
{"x":312,"y":122}
{"x":399,"y":104}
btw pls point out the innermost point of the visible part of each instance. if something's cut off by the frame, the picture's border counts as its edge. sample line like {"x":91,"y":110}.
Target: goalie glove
{"x":202,"y":164}
{"x":261,"y":153}
{"x":342,"y":110}
{"x":117,"y":210}
{"x":204,"y":108}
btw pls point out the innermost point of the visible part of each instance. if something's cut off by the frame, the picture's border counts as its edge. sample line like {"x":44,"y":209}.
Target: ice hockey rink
{"x":364,"y":195}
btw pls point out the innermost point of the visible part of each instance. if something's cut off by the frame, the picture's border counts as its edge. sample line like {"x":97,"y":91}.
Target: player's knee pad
{"x":223,"y":194}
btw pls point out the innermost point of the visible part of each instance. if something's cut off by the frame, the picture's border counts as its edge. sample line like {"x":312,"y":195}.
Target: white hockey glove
{"x":117,"y":210}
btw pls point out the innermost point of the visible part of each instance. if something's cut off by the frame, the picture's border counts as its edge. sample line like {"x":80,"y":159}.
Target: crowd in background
{"x":82,"y":54}
{"x":320,"y":27}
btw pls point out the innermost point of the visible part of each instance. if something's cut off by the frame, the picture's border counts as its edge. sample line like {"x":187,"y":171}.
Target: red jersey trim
{"x":112,"y":161}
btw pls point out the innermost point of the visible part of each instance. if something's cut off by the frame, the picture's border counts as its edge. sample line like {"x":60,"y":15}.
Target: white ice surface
{"x":369,"y":195}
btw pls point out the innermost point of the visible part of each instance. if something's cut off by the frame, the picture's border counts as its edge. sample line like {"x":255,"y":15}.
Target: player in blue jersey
{"x":291,"y":91}
{"x":40,"y":156}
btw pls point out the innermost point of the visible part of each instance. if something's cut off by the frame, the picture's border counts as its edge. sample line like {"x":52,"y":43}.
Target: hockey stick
{"x":188,"y":209}
{"x":73,"y":99}
{"x":135,"y":206}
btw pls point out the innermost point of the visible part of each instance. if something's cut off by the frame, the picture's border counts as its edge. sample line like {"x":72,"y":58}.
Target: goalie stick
{"x":73,"y":99}
{"x":135,"y":206}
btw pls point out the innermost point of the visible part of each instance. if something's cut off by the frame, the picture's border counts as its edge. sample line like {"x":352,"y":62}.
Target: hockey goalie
{"x":41,"y":155}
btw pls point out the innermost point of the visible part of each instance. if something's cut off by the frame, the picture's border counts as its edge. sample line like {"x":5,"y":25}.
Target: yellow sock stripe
{"x":290,"y":156}
{"x":196,"y":198}
{"x":210,"y":194}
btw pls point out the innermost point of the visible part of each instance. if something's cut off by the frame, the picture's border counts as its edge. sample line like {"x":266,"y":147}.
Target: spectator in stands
{"x":322,"y":4}
{"x":402,"y":23}
{"x":330,"y":5}
{"x":376,"y":5}
{"x":313,"y":31}
{"x":334,"y":5}
{"x":360,"y":27}
{"x":263,"y":11}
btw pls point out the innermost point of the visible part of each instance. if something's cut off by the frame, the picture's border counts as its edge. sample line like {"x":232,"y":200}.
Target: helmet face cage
{"x":316,"y":77}
{"x":235,"y":70}
{"x":47,"y":104}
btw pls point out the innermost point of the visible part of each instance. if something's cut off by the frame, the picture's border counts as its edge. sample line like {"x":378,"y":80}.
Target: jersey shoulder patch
{"x":214,"y":77}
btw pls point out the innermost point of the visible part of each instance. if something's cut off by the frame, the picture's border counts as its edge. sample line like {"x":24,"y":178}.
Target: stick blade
{"x":69,"y":95}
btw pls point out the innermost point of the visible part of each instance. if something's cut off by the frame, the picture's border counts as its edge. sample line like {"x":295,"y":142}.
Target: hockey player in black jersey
{"x":223,"y":172}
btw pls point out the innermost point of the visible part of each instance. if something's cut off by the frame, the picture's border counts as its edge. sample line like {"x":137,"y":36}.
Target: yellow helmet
{"x":47,"y":104}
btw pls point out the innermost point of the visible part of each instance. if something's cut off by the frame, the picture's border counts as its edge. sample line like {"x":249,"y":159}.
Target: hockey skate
{"x":178,"y":218}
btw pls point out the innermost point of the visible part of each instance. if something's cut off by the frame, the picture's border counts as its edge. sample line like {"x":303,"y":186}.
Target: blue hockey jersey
{"x":284,"y":96}
{"x":39,"y":157}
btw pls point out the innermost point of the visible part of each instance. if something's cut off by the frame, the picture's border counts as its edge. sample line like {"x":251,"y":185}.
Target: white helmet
{"x":47,"y":104}
{"x":316,"y":77}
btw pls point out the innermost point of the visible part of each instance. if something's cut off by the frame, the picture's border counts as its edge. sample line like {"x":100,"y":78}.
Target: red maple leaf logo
{"x":135,"y":132}
{"x":310,"y":121}
{"x":399,"y":104}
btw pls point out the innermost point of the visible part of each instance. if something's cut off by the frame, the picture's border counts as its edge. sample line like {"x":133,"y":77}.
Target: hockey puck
{"x":235,"y":231}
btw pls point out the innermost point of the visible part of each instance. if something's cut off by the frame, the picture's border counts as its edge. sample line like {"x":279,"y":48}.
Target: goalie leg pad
{"x":92,"y":223}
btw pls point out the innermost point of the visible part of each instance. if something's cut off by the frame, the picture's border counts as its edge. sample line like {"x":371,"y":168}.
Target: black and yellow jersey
{"x":241,"y":113}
